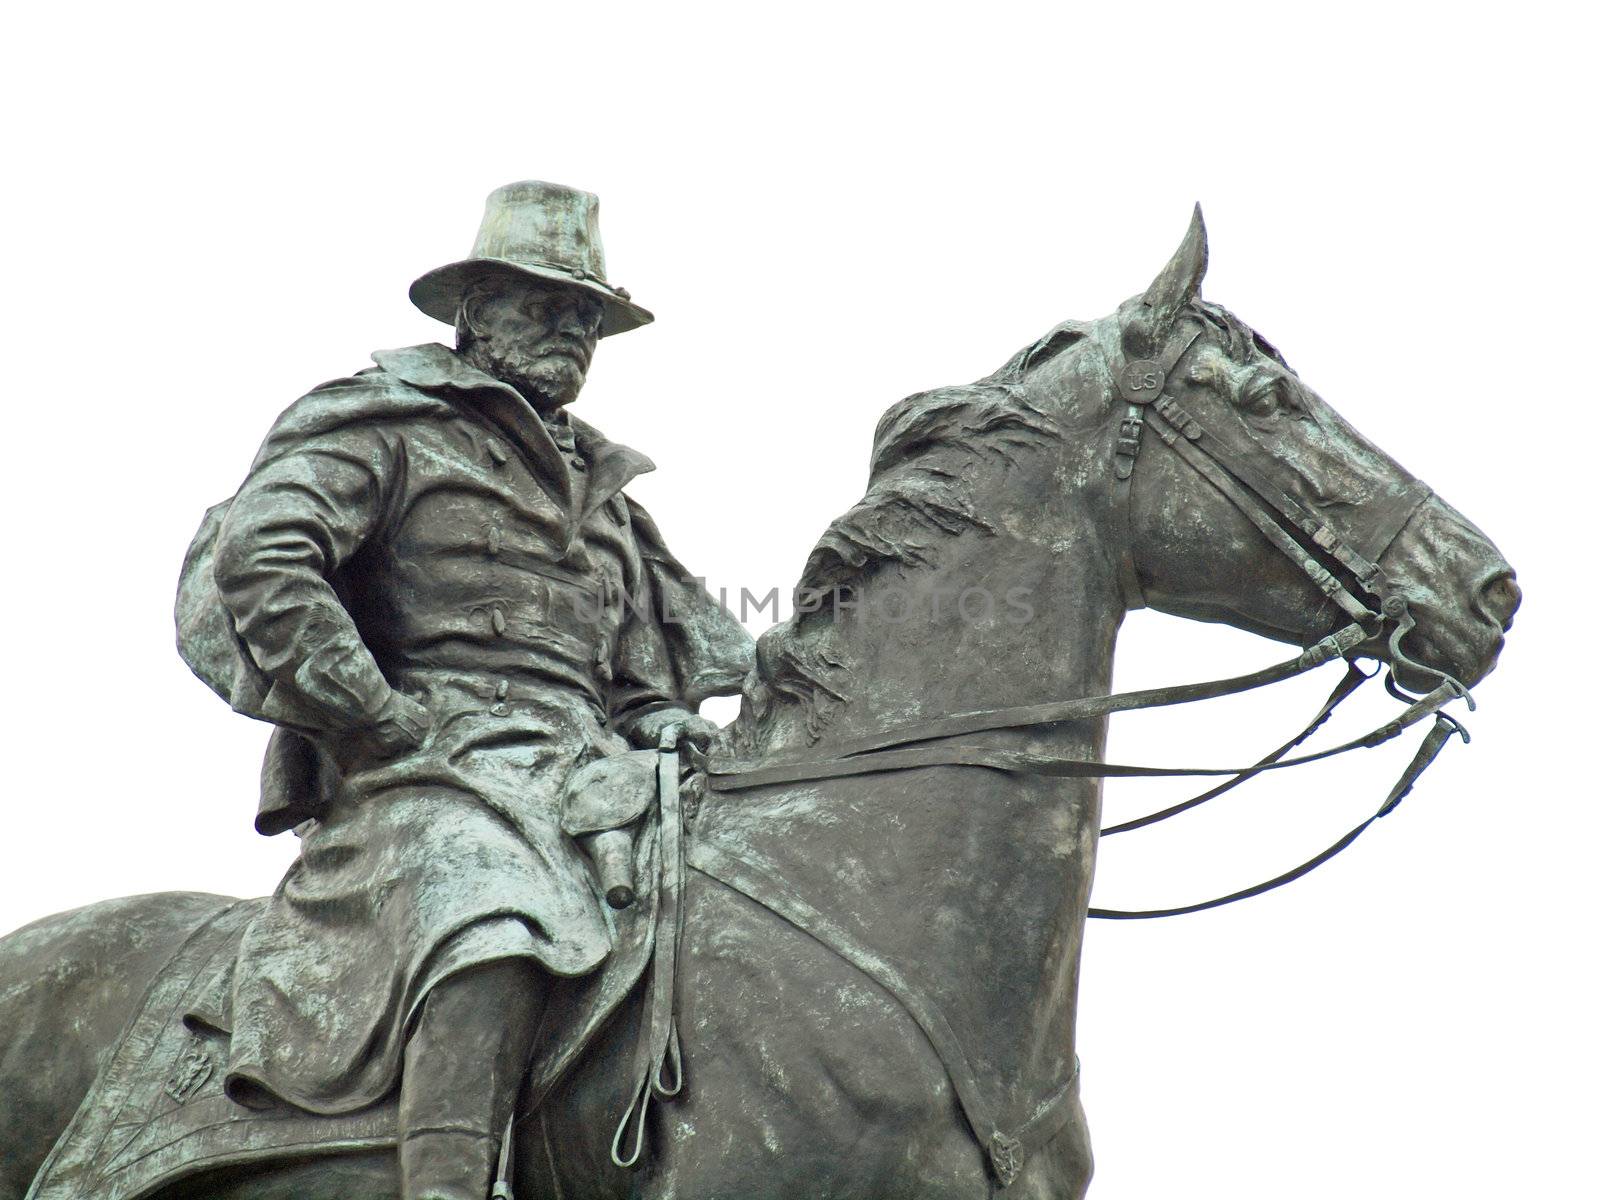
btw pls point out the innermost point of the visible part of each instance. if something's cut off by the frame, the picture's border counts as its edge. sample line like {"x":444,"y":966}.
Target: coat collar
{"x":435,"y":368}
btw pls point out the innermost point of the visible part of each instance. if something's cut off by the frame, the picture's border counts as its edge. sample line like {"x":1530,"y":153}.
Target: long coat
{"x":418,"y":527}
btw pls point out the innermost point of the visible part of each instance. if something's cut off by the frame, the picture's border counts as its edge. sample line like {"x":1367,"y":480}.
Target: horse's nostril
{"x":1500,"y":598}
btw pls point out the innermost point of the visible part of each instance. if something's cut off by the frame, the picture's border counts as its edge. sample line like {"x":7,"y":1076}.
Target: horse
{"x":877,"y":968}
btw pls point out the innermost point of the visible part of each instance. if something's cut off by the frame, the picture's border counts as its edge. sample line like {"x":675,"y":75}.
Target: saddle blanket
{"x":157,"y":1114}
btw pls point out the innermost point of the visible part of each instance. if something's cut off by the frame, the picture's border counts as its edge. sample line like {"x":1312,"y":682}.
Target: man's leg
{"x":463,"y":1066}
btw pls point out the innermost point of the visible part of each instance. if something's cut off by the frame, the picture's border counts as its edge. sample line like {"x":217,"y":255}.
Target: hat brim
{"x":439,"y":292}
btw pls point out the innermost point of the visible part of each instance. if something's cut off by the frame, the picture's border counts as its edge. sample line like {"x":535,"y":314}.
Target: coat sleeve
{"x":298,"y":518}
{"x":643,"y":681}
{"x":677,"y":646}
{"x":710,"y":651}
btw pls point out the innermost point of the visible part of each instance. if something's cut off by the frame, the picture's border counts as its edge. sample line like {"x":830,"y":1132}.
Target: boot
{"x":462,"y":1069}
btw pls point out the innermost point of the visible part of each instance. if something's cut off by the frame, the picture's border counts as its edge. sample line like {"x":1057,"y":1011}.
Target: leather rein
{"x":1009,"y":1136}
{"x":1313,"y":545}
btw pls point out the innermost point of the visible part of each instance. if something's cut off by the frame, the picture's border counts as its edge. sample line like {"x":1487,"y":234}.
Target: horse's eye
{"x":1267,"y":396}
{"x":1289,"y":398}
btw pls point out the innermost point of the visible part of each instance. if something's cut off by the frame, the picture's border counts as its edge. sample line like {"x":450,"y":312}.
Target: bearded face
{"x":538,"y":339}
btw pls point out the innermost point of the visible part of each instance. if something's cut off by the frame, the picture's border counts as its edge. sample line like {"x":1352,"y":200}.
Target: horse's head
{"x":1241,"y":439}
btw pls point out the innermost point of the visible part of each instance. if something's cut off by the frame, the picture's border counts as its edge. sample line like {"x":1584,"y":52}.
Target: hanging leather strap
{"x":1021,"y":762}
{"x":730,"y":777}
{"x":502,"y":1189}
{"x":658,"y":1060}
{"x":1352,"y":679}
{"x":1427,"y":751}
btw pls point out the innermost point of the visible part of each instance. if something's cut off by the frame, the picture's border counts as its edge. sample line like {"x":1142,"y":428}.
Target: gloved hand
{"x":401,"y":725}
{"x":693,"y":728}
{"x":697,"y":732}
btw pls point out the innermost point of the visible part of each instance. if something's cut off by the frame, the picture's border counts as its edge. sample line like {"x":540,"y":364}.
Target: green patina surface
{"x":434,"y":585}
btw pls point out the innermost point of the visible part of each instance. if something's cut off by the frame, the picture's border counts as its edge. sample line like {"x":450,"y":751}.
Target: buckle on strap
{"x":1129,"y":436}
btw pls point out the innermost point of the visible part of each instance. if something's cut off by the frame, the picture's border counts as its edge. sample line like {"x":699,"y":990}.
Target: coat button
{"x":498,"y":620}
{"x":501,"y":708}
{"x":496,"y":452}
{"x":496,"y":540}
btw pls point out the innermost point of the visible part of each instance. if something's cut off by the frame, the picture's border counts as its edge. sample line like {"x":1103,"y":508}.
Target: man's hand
{"x":693,"y":728}
{"x":400,"y":725}
{"x":698,"y":732}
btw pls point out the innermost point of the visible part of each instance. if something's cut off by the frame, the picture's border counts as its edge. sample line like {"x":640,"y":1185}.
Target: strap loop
{"x":658,"y":1057}
{"x":728,"y":775}
{"x":1352,"y":679}
{"x":1427,"y":752}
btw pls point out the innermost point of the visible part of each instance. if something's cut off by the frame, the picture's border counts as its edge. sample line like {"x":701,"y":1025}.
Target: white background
{"x":828,"y":207}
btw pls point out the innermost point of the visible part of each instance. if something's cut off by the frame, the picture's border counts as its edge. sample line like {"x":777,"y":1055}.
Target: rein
{"x":1143,"y":385}
{"x":1009,"y":1137}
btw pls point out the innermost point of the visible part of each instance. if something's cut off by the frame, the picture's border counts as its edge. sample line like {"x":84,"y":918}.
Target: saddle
{"x":157,"y":1114}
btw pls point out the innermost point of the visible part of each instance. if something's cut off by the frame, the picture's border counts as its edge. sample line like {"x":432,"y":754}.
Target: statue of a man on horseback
{"x":432,"y":583}
{"x":860,"y":961}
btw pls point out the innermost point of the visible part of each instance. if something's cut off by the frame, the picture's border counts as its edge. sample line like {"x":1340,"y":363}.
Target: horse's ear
{"x":1173,"y":289}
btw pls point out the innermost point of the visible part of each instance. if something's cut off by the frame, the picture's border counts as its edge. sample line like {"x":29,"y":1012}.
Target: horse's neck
{"x":974,"y":880}
{"x":1022,"y":612}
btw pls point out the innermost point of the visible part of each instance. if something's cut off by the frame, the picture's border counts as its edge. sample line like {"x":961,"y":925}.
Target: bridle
{"x":1008,"y":1136}
{"x":1142,"y":385}
{"x":1327,"y":556}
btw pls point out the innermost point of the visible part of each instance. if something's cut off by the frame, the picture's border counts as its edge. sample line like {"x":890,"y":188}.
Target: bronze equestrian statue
{"x":851,"y":969}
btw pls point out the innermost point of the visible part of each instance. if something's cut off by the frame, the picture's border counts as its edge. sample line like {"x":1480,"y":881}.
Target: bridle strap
{"x":1143,"y":383}
{"x":724,"y":773}
{"x":1365,"y":569}
{"x":1183,"y":439}
{"x":1427,"y":751}
{"x":1278,"y":516}
{"x":726,"y":777}
{"x":1348,"y":683}
{"x":1138,"y":383}
{"x":1397,"y":516}
{"x":1249,"y":492}
{"x":1122,"y":508}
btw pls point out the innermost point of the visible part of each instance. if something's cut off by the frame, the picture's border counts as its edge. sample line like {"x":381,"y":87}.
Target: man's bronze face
{"x":538,"y":339}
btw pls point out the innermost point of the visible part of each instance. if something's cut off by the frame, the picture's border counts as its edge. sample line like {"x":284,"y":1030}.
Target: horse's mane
{"x":919,"y":488}
{"x":921,"y":492}
{"x":1239,"y":340}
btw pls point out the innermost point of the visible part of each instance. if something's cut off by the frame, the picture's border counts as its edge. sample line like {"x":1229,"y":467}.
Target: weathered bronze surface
{"x":830,"y":951}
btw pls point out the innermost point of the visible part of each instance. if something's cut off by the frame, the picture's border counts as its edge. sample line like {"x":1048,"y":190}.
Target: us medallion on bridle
{"x":1343,"y":563}
{"x":1368,"y":613}
{"x":863,"y":940}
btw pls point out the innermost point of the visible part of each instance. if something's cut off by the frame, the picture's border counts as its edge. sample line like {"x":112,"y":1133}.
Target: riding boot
{"x":463,"y":1066}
